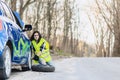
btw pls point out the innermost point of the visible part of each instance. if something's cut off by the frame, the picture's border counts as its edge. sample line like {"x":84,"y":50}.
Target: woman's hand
{"x":39,"y":54}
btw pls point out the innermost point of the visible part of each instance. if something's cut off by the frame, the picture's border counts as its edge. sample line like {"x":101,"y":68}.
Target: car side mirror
{"x":27,"y":27}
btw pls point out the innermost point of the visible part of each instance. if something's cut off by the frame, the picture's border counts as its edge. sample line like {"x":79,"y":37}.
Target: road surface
{"x":76,"y":69}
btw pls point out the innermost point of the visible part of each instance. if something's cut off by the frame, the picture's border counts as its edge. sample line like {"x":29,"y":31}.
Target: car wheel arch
{"x":9,"y":43}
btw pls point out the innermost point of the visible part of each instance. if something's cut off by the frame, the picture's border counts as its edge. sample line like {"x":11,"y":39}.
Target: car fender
{"x":3,"y":35}
{"x":5,"y":32}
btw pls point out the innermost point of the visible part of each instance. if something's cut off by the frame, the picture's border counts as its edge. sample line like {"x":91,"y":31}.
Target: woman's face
{"x":36,"y":36}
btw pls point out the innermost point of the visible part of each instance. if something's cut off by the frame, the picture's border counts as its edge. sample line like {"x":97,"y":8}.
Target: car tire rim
{"x":7,"y":62}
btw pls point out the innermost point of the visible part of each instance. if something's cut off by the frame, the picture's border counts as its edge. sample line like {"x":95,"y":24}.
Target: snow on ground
{"x":76,"y":69}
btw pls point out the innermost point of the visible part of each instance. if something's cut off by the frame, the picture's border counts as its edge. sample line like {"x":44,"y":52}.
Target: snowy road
{"x":76,"y":69}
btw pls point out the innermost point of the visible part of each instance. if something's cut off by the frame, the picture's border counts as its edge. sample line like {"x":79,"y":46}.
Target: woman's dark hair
{"x":32,"y":37}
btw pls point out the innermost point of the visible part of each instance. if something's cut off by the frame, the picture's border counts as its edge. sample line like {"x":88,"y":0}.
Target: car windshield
{"x":0,"y":12}
{"x":19,"y":20}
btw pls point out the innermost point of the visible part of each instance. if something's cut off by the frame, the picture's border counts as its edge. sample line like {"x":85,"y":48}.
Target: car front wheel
{"x":6,"y":63}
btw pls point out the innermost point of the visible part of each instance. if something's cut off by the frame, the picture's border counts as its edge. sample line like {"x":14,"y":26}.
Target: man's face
{"x":36,"y":36}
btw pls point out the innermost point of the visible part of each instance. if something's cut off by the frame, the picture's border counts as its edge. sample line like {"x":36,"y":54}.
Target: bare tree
{"x":24,"y":5}
{"x":116,"y":27}
{"x":39,"y":10}
{"x":66,"y":23}
{"x":50,"y":6}
{"x":13,"y":4}
{"x":113,"y":22}
{"x":100,"y":32}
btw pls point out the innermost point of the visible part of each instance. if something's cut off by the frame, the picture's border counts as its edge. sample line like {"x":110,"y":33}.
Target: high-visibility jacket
{"x":42,"y":46}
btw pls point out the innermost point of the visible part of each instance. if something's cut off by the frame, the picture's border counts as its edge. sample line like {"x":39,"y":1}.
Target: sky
{"x":86,"y":29}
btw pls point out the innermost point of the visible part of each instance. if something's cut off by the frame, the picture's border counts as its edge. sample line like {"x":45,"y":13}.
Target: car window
{"x":7,"y":11}
{"x":1,"y":12}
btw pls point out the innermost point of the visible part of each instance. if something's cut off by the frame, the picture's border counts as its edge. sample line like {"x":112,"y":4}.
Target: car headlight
{"x":1,"y":25}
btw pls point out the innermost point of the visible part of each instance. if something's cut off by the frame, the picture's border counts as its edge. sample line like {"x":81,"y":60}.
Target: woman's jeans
{"x":41,"y":62}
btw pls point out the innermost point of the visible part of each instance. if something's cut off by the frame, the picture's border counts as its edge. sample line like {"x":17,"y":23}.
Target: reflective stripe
{"x":46,"y":56}
{"x":45,"y":52}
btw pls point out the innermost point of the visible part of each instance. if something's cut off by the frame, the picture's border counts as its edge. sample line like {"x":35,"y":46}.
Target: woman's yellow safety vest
{"x":42,"y":46}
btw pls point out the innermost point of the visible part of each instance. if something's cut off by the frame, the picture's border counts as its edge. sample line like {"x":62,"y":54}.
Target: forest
{"x":77,"y":27}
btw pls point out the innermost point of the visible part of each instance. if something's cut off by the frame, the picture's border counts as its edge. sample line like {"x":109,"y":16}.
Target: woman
{"x":41,"y":48}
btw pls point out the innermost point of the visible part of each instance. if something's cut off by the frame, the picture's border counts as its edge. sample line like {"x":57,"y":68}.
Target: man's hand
{"x":39,"y":53}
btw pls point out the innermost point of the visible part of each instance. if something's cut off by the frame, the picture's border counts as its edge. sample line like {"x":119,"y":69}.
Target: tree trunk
{"x":116,"y":49}
{"x":49,"y":19}
{"x":116,"y":20}
{"x":13,"y":5}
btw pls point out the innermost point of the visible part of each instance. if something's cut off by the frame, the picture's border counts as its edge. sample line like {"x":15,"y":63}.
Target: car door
{"x":24,"y":41}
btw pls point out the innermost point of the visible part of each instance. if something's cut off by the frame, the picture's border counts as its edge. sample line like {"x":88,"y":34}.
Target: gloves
{"x":36,"y":58}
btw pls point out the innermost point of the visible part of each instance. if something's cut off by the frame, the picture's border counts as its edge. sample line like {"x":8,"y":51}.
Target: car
{"x":15,"y":45}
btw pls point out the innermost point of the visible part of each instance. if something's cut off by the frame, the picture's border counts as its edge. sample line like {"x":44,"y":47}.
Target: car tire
{"x":6,"y":63}
{"x":43,"y":68}
{"x":28,"y":66}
